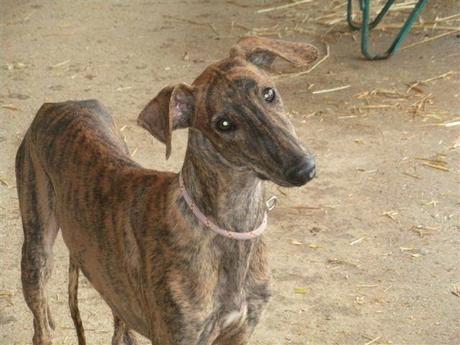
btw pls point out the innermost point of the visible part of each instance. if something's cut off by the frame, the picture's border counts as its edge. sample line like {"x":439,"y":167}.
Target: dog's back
{"x":82,"y":128}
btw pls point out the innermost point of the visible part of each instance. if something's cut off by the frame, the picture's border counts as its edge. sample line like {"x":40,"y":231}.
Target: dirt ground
{"x":368,"y":253}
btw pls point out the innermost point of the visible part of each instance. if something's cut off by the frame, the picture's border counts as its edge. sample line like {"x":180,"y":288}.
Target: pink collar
{"x":226,"y":233}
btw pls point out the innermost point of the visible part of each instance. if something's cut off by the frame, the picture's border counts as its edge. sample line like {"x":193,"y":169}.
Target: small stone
{"x":56,"y":87}
{"x":18,"y":96}
{"x":6,"y":319}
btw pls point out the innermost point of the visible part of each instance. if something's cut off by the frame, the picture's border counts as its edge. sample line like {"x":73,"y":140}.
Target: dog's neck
{"x":234,"y":200}
{"x":230,"y":197}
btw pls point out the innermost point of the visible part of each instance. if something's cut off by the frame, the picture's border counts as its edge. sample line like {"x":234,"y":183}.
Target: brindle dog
{"x":163,"y":273}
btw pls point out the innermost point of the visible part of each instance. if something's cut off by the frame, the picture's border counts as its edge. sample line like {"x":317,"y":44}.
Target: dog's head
{"x":235,"y":105}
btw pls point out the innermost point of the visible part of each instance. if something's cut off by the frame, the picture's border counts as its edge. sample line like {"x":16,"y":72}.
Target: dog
{"x":179,"y":258}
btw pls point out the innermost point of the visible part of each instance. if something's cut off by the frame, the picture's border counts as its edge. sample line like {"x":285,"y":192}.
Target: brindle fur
{"x":128,"y":229}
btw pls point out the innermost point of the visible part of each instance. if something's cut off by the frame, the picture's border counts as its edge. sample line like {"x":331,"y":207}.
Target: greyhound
{"x":179,"y":258}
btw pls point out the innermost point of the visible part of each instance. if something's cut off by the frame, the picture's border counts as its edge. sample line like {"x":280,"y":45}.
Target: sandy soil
{"x":367,"y":253}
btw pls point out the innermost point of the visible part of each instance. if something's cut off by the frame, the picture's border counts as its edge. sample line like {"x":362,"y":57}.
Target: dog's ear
{"x":172,"y":108}
{"x":263,"y":51}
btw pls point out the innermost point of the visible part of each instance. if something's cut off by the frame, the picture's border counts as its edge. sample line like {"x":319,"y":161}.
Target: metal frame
{"x":366,"y":26}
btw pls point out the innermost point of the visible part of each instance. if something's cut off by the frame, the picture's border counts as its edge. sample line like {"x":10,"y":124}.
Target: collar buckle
{"x":271,"y":202}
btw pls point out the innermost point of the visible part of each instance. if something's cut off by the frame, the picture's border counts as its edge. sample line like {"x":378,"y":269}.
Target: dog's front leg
{"x":122,"y":335}
{"x":241,"y":335}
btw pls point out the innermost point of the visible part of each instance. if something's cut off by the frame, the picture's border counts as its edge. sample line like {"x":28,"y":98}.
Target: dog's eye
{"x":269,"y":94}
{"x":225,"y":125}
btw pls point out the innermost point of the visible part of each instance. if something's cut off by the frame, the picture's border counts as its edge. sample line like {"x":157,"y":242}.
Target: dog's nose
{"x":302,"y":172}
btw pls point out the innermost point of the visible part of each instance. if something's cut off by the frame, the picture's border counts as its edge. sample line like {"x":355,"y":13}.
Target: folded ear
{"x":172,"y":108}
{"x":262,"y":51}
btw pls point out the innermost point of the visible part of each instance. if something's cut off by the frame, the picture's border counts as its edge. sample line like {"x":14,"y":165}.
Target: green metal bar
{"x":377,"y":19}
{"x":404,"y":32}
{"x":367,"y":26}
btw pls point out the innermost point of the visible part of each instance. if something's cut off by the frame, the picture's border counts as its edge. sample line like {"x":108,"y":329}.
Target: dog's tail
{"x":73,"y":302}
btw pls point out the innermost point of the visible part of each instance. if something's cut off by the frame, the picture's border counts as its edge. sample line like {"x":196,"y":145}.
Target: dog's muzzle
{"x":302,"y":172}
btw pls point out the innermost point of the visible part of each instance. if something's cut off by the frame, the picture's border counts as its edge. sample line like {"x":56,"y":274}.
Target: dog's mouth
{"x":262,"y":177}
{"x":294,"y":177}
{"x":281,"y":182}
{"x":277,"y":181}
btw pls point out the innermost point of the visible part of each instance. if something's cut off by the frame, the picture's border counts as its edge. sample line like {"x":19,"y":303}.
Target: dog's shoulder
{"x":91,"y":107}
{"x":57,"y":118}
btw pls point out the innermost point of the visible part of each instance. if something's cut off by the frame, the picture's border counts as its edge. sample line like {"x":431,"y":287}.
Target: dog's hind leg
{"x":37,"y":205}
{"x":122,"y":334}
{"x":73,"y":302}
